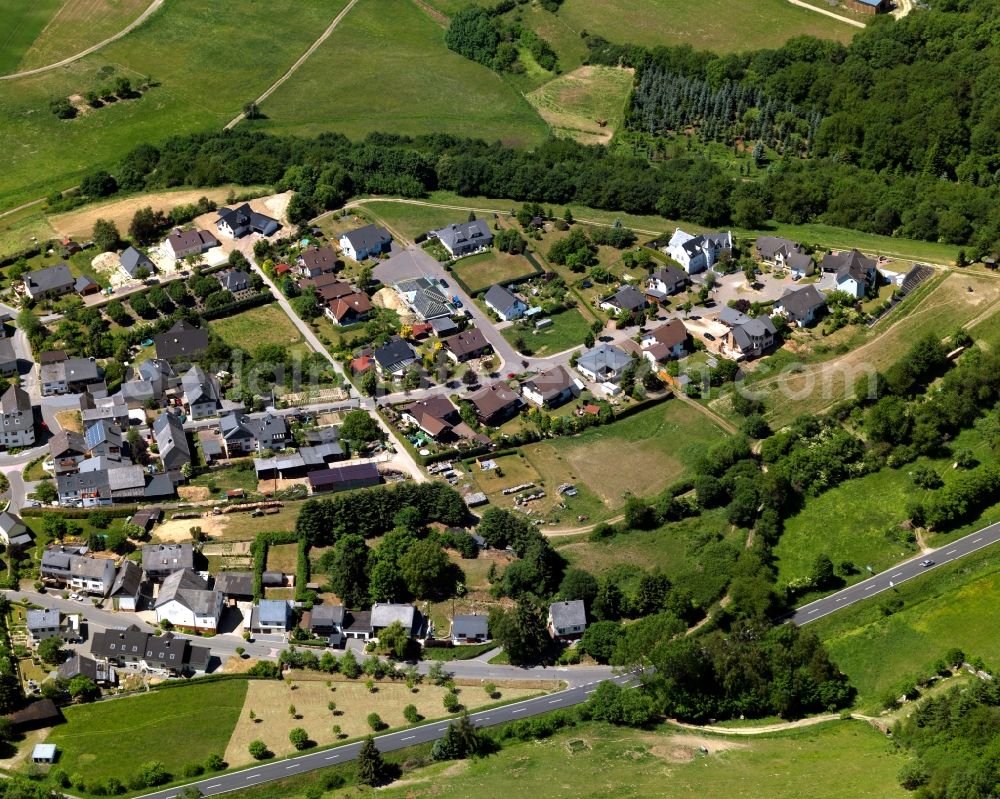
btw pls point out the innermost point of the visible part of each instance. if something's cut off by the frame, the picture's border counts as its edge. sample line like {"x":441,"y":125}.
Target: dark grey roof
{"x":367,"y":238}
{"x":16,"y":403}
{"x":244,"y":216}
{"x":189,"y":590}
{"x":167,"y":557}
{"x":234,"y":583}
{"x":199,"y":387}
{"x":326,"y":615}
{"x":95,"y":483}
{"x":770,"y":246}
{"x":470,"y":626}
{"x":133,"y":260}
{"x":171,"y":440}
{"x":234,"y":280}
{"x":323,"y":435}
{"x":394,"y":355}
{"x":854,"y":265}
{"x":67,"y":442}
{"x":102,"y":431}
{"x":467,"y":342}
{"x":670,"y":275}
{"x":801,"y":302}
{"x":502,"y":299}
{"x":84,"y":284}
{"x":128,"y":580}
{"x":568,"y":614}
{"x":11,"y":525}
{"x":627,"y":298}
{"x":183,"y":340}
{"x":425,"y":297}
{"x":7,"y":353}
{"x":462,"y":233}
{"x":51,"y":278}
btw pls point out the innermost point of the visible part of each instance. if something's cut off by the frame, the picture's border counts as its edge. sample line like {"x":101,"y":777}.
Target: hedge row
{"x":264,"y":298}
{"x":259,"y":547}
{"x":79,"y":513}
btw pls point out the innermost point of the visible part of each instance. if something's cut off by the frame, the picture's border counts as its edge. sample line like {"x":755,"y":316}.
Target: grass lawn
{"x":270,"y":701}
{"x":399,"y":49}
{"x":18,"y":231}
{"x":568,"y":330}
{"x":957,"y":605}
{"x":711,"y":25}
{"x":659,"y":443}
{"x":483,"y":270}
{"x":577,"y":103}
{"x":282,"y":558}
{"x":78,"y":25}
{"x":176,"y":726}
{"x":267,"y":324}
{"x":456,"y":652}
{"x":39,"y":152}
{"x":241,"y":475}
{"x":597,"y":760}
{"x":34,"y":471}
{"x":23,"y":22}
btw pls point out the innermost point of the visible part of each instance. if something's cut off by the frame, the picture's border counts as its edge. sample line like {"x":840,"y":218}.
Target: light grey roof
{"x":132,"y":260}
{"x":502,"y":298}
{"x":199,"y":387}
{"x":425,"y":297}
{"x":568,"y":614}
{"x":234,"y":280}
{"x":167,"y":557}
{"x":189,"y":590}
{"x":604,"y":357}
{"x":384,"y":614}
{"x":51,"y":278}
{"x":84,"y":283}
{"x":470,"y":626}
{"x":732,"y":317}
{"x":41,"y":619}
{"x":171,"y":441}
{"x":125,"y":478}
{"x":11,"y":524}
{"x":272,"y":612}
{"x":462,"y":233}
{"x":93,"y":482}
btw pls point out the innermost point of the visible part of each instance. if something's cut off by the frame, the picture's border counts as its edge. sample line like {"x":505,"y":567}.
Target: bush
{"x":299,"y":738}
{"x":411,"y":715}
{"x":451,"y":703}
{"x":215,"y":763}
{"x":375,"y":722}
{"x":258,"y":750}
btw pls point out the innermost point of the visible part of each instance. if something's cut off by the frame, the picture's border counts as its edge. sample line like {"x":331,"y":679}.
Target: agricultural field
{"x":77,"y":25}
{"x":481,"y":271}
{"x":23,"y":22}
{"x":568,"y":330}
{"x":386,"y":67}
{"x":111,"y":739}
{"x":195,"y":91}
{"x":587,"y":104}
{"x":823,"y":762}
{"x":267,"y":324}
{"x":270,"y":701}
{"x":952,"y":606}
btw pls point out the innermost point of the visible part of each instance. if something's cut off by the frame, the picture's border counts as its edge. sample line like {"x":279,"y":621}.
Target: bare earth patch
{"x":180,"y":530}
{"x":685,"y":748}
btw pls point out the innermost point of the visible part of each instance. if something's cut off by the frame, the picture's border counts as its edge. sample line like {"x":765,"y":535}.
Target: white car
{"x":74,"y":596}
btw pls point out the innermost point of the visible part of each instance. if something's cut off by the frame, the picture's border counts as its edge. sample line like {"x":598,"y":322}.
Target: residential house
{"x":801,"y":265}
{"x":775,"y":250}
{"x":82,"y":666}
{"x":136,"y":264}
{"x":182,"y":243}
{"x":50,"y":282}
{"x":210,"y":443}
{"x":43,"y":623}
{"x":171,"y":443}
{"x":14,"y":533}
{"x":357,"y":624}
{"x":665,"y":342}
{"x":327,"y":621}
{"x":70,"y":375}
{"x":348,"y":309}
{"x":104,"y":440}
{"x":855,"y":272}
{"x":112,"y":409}
{"x":317,"y":261}
{"x":183,"y":341}
{"x":666,"y":281}
{"x":127,"y":586}
{"x":869,"y":6}
{"x":385,"y":613}
{"x":443,"y":326}
{"x":299,"y":463}
{"x":550,"y":389}
{"x":496,"y":403}
{"x":393,"y":357}
{"x":439,"y":419}
{"x":270,"y":616}
{"x":369,"y":241}
{"x":470,"y":629}
{"x":465,"y":346}
{"x":18,"y":428}
{"x":750,"y":339}
{"x":567,"y":620}
{"x":165,"y":655}
{"x":84,"y":489}
{"x":73,"y":567}
{"x":801,"y":306}
{"x":603,"y":363}
{"x":242,"y":434}
{"x":627,"y":300}
{"x":202,"y":394}
{"x":464,"y":238}
{"x":8,"y":357}
{"x":67,"y":448}
{"x":151,"y":380}
{"x":162,"y":560}
{"x":234,"y":223}
{"x":186,"y":601}
{"x":344,"y":478}
{"x":235,"y":586}
{"x":425,"y":298}
{"x":504,"y":303}
{"x":235,"y":281}
{"x":696,"y":253}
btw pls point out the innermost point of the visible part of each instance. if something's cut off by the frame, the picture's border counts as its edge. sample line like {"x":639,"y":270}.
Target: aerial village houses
{"x":698,"y":253}
{"x":50,"y":282}
{"x":801,"y":307}
{"x":182,"y":341}
{"x":665,"y":282}
{"x":369,"y":241}
{"x":551,"y":388}
{"x":464,"y":238}
{"x":855,"y":273}
{"x":317,"y":261}
{"x":136,"y":264}
{"x":567,"y":620}
{"x":504,"y":303}
{"x":182,"y":243}
{"x":234,"y":223}
{"x":18,"y":428}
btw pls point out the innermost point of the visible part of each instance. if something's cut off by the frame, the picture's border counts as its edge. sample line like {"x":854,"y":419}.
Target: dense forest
{"x":902,"y":125}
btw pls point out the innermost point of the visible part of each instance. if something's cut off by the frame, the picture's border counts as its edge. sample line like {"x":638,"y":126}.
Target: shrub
{"x":451,"y":703}
{"x":299,"y":738}
{"x":258,"y":750}
{"x":411,"y":715}
{"x":375,"y":722}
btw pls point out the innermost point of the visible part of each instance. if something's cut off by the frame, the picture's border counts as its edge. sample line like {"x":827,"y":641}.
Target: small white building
{"x":44,"y":754}
{"x":186,"y":601}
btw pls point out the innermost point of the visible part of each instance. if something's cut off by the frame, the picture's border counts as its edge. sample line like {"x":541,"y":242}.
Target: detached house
{"x":701,"y":252}
{"x":235,"y":281}
{"x":242,"y":434}
{"x":67,"y":448}
{"x":567,"y":620}
{"x":317,"y":261}
{"x":369,"y":241}
{"x":439,"y":419}
{"x":470,"y":629}
{"x":801,"y":306}
{"x":133,"y":260}
{"x":425,"y":298}
{"x":384,"y":613}
{"x":14,"y":533}
{"x":348,"y":309}
{"x":603,"y":363}
{"x":464,"y":238}
{"x":186,"y":601}
{"x":18,"y":428}
{"x":496,"y":403}
{"x":393,"y":357}
{"x":182,"y":341}
{"x":504,"y":303}
{"x":665,"y":342}
{"x":202,"y":394}
{"x":50,"y":282}
{"x":234,"y":223}
{"x":751,"y":338}
{"x":550,"y":389}
{"x":666,"y":281}
{"x":855,"y":272}
{"x":626,"y":300}
{"x":182,"y":243}
{"x":270,"y":616}
{"x":466,"y":345}
{"x":42,"y":624}
{"x":162,"y":560}
{"x":171,"y":442}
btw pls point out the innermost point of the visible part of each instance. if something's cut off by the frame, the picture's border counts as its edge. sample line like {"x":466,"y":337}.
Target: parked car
{"x":927,"y":563}
{"x":710,"y":337}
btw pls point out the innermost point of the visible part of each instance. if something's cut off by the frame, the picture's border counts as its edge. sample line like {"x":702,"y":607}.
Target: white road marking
{"x":332,"y":757}
{"x":590,"y":691}
{"x":897,"y":574}
{"x":554,"y":701}
{"x":485,"y":718}
{"x":977,"y":540}
{"x":408,"y":737}
{"x":292,"y":765}
{"x":253,"y":776}
{"x":869,"y":587}
{"x":813,"y":611}
{"x":442,"y":729}
{"x":209,"y":787}
{"x":951,"y":552}
{"x":840,"y":598}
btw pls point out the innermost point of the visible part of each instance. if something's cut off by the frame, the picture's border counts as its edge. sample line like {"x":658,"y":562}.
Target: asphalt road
{"x":896,"y":575}
{"x":280,"y":769}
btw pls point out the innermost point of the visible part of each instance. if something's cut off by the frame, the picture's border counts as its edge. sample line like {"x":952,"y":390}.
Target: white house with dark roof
{"x":186,"y":601}
{"x":14,"y":533}
{"x":464,"y":238}
{"x":696,"y":253}
{"x":385,"y":613}
{"x":667,"y":341}
{"x":603,"y":363}
{"x":801,"y":306}
{"x":43,"y":623}
{"x":369,"y":241}
{"x":855,"y":272}
{"x":17,"y":418}
{"x":127,"y":586}
{"x":202,"y":394}
{"x":182,"y":341}
{"x":171,"y":442}
{"x":234,"y":223}
{"x":393,"y":357}
{"x":470,"y":629}
{"x":550,"y":389}
{"x":567,"y":620}
{"x":52,"y":281}
{"x":161,"y":560}
{"x":133,"y":260}
{"x":504,"y":303}
{"x":666,"y":281}
{"x":628,"y":299}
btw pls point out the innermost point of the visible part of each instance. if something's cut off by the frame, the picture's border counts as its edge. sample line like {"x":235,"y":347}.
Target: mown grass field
{"x":77,"y":25}
{"x":176,"y":726}
{"x":481,"y":271}
{"x":267,"y":324}
{"x":196,"y":90}
{"x":595,"y":760}
{"x":575,"y":104}
{"x":23,"y":22}
{"x":386,"y":68}
{"x":568,"y":330}
{"x":957,"y":605}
